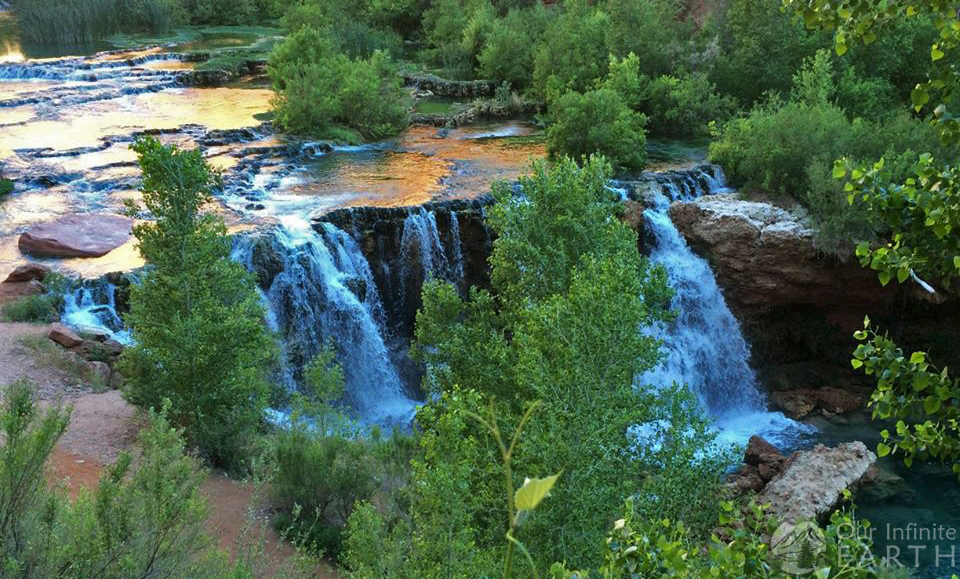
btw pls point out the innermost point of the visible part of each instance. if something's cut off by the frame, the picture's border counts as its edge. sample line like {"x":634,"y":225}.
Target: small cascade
{"x":93,"y":306}
{"x":704,"y":347}
{"x":324,"y":290}
{"x":424,"y":253}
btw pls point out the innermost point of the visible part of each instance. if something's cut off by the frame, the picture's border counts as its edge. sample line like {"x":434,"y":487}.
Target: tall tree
{"x":196,"y":318}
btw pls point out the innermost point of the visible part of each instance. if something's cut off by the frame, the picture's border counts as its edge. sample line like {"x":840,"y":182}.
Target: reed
{"x":84,"y":21}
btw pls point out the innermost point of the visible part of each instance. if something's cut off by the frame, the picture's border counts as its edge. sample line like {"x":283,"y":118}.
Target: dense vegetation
{"x":83,"y":21}
{"x":536,"y":376}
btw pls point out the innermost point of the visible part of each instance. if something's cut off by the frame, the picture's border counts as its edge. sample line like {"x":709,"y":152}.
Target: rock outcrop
{"x":64,"y":335}
{"x":81,"y":235}
{"x":452,"y":88}
{"x":811,"y":482}
{"x":761,"y":463}
{"x":764,"y":257}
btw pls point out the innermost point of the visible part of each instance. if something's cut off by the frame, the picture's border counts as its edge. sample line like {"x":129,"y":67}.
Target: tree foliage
{"x":196,"y":318}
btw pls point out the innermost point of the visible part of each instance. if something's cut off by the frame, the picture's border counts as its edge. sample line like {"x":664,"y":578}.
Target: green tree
{"x":561,"y":328}
{"x":320,"y":91}
{"x":196,"y":318}
{"x":597,"y":121}
{"x":574,"y":51}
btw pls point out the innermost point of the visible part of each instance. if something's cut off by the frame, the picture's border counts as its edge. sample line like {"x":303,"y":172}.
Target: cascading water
{"x":324,"y":291}
{"x":704,"y":347}
{"x":424,"y":252}
{"x":93,"y":306}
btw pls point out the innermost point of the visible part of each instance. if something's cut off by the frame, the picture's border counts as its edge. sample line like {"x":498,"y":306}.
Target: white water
{"x":326,"y":291}
{"x":704,"y":347}
{"x":92,"y":306}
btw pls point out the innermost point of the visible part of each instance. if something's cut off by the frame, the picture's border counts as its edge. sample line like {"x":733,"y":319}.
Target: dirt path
{"x":103,"y":425}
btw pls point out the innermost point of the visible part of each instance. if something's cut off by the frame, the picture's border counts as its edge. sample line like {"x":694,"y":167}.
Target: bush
{"x":597,"y":121}
{"x":509,"y":53}
{"x":654,"y":30}
{"x":6,"y":187}
{"x":142,"y":520}
{"x":37,"y":309}
{"x":196,"y":318}
{"x":320,"y":473}
{"x":319,"y":89}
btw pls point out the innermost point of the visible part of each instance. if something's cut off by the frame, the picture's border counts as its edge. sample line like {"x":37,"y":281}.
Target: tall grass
{"x":84,"y":21}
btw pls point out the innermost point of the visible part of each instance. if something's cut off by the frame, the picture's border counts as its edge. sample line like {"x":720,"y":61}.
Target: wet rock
{"x":266,"y":260}
{"x":759,"y":451}
{"x":81,"y":235}
{"x":880,"y":484}
{"x":797,"y":404}
{"x":357,"y":286}
{"x":452,"y":88}
{"x":747,"y":479}
{"x":812,"y":482}
{"x":28,"y":272}
{"x":839,"y":401}
{"x":64,"y":336}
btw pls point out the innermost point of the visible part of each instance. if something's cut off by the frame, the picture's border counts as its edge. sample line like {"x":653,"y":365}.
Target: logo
{"x":796,"y":547}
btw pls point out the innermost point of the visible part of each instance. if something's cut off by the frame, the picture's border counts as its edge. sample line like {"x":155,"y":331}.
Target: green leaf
{"x":917,"y":357}
{"x":839,"y":171}
{"x":956,"y":261}
{"x":882,"y":450}
{"x":931,"y":404}
{"x":919,"y":98}
{"x":884,"y":277}
{"x":935,"y":52}
{"x":533,"y":491}
{"x":902,"y":274}
{"x":856,"y":363}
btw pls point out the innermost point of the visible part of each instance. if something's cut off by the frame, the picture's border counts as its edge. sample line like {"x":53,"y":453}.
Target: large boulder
{"x":64,"y":336}
{"x":812,"y":481}
{"x":81,"y":235}
{"x":27,"y":272}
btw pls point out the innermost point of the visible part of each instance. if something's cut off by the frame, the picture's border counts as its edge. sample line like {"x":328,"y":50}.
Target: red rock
{"x":64,"y":336}
{"x":796,"y":404}
{"x":759,"y":451}
{"x":28,"y":272}
{"x":82,"y":235}
{"x":838,"y":401}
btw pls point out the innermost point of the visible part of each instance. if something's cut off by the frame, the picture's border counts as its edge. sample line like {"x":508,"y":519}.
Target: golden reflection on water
{"x":427,"y":164}
{"x":84,"y":125}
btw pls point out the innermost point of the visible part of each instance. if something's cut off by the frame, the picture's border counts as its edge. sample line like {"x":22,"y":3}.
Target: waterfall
{"x":324,"y":290}
{"x":704,"y":347}
{"x":92,"y":306}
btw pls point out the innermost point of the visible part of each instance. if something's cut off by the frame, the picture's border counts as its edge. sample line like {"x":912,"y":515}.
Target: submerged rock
{"x":82,"y":235}
{"x":812,"y":481}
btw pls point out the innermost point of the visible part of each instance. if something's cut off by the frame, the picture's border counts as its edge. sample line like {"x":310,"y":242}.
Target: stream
{"x":69,"y":114}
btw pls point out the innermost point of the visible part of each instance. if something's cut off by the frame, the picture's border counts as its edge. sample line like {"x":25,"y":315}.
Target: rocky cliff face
{"x":764,"y":258}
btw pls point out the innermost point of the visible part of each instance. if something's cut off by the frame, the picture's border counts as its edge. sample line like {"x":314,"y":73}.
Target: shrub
{"x":574,"y":53}
{"x":508,"y":55}
{"x":196,"y":318}
{"x":652,"y":29}
{"x":36,"y":309}
{"x":319,"y":88}
{"x":142,"y":520}
{"x":6,"y":187}
{"x":597,"y":121}
{"x":320,"y":472}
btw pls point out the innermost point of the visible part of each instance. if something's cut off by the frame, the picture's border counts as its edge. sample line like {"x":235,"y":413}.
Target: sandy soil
{"x":102,"y":425}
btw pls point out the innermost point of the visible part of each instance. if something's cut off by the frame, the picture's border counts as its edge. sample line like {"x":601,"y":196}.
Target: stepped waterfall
{"x":324,"y":289}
